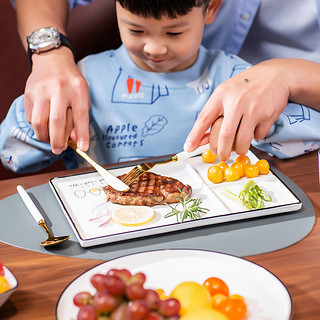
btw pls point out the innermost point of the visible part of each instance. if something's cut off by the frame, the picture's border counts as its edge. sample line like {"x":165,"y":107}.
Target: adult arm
{"x":55,"y":82}
{"x":252,"y":101}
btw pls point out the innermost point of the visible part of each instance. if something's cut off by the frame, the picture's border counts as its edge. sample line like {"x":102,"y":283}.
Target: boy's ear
{"x":212,"y":10}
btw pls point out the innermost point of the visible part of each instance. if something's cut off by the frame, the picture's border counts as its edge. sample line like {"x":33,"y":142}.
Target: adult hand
{"x":248,"y":104}
{"x":55,"y":85}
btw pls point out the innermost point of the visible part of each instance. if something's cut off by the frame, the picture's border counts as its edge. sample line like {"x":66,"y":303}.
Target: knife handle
{"x":29,"y":204}
{"x":184,"y":155}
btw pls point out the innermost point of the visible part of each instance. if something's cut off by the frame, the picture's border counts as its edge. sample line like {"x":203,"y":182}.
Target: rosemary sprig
{"x":190,"y":208}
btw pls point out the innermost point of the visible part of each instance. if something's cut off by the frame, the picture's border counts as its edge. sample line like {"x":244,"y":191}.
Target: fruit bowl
{"x":13,"y":285}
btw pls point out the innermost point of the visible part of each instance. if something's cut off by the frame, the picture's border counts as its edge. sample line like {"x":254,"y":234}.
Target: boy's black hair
{"x":159,"y":8}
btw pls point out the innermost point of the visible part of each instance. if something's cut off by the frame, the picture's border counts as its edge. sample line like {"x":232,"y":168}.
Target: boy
{"x":145,"y":96}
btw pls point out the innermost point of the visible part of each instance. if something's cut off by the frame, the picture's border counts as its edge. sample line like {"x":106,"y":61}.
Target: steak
{"x":149,"y":189}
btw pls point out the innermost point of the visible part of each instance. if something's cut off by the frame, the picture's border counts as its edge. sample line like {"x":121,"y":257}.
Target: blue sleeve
{"x":20,"y":150}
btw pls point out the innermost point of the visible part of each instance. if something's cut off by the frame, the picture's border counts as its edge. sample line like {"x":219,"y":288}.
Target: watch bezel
{"x":36,"y":44}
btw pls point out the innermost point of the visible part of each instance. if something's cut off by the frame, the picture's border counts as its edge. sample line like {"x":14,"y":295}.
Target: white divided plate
{"x":85,"y":206}
{"x":266,"y":296}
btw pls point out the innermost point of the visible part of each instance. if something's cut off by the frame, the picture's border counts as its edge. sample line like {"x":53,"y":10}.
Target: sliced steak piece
{"x":149,"y":189}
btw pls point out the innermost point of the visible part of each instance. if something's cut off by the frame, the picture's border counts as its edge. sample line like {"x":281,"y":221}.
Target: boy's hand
{"x":250,"y":103}
{"x":55,"y":85}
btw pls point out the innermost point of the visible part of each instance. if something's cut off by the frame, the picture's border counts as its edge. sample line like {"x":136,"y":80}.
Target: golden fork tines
{"x":141,"y":168}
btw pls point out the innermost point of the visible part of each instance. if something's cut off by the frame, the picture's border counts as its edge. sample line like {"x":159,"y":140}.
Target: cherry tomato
{"x":263,"y":166}
{"x":244,"y":160}
{"x":217,"y":299}
{"x":251,"y":170}
{"x":223,"y":165}
{"x":234,"y":309}
{"x":236,"y":296}
{"x":231,"y":174}
{"x":215,"y":174}
{"x":239,"y":167}
{"x":216,"y":285}
{"x":208,"y":156}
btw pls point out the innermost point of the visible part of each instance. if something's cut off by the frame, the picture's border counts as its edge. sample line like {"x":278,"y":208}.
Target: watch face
{"x":44,"y":39}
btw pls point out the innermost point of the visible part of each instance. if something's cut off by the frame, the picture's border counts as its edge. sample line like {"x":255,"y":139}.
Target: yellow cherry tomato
{"x":244,"y":160}
{"x":239,"y":167}
{"x":208,"y":156}
{"x":215,"y":174}
{"x":263,"y":166}
{"x":251,"y":170}
{"x":223,"y":165}
{"x":231,"y":174}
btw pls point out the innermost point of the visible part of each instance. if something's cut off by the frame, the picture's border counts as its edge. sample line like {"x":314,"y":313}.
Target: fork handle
{"x":184,"y":155}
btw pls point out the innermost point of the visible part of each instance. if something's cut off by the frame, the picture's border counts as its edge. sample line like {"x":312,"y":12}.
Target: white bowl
{"x":13,"y":285}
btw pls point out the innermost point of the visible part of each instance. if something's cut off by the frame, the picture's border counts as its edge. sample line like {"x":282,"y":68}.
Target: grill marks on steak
{"x":149,"y":189}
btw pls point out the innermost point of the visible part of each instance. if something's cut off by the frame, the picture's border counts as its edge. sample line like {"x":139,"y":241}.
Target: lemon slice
{"x":132,"y":215}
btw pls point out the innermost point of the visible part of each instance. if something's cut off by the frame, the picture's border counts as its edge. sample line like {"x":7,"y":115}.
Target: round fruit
{"x":263,"y":166}
{"x":215,"y":285}
{"x":215,"y":174}
{"x":234,"y":309}
{"x":223,"y":165}
{"x":231,"y":174}
{"x":217,"y":299}
{"x":208,"y":156}
{"x":251,"y":170}
{"x":204,"y":314}
{"x":192,"y":296}
{"x":132,"y":215}
{"x":239,"y":167}
{"x":244,"y":160}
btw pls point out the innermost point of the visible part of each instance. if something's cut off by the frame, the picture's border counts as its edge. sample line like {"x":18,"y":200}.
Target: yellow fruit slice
{"x":4,"y":284}
{"x":204,"y":314}
{"x":132,"y":215}
{"x":192,"y":296}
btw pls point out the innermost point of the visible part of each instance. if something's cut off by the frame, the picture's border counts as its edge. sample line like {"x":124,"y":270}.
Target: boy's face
{"x":165,"y":45}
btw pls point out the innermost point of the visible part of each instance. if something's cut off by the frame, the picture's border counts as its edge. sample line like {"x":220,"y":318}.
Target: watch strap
{"x":64,"y":42}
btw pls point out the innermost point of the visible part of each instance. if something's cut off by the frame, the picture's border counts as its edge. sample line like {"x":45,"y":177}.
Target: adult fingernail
{"x":82,"y":145}
{"x":187,"y":146}
{"x":56,"y":151}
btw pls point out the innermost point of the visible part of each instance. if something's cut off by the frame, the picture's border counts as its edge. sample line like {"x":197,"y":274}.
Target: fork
{"x":141,"y":168}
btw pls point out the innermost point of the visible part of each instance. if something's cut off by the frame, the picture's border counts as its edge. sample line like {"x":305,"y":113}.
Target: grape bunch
{"x":121,"y":295}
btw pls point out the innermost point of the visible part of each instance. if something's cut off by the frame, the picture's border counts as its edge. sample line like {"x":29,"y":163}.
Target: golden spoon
{"x":52,"y":240}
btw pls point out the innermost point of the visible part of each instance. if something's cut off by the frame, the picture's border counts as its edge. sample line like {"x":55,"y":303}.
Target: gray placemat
{"x":241,"y":238}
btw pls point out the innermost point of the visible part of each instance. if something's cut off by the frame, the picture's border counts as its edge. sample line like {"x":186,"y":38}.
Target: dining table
{"x":43,"y":277}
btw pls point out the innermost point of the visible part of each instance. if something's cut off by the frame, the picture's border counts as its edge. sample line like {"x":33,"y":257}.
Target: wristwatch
{"x":46,"y":39}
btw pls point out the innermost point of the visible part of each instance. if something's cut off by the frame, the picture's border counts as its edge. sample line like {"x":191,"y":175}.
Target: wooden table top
{"x":43,"y":277}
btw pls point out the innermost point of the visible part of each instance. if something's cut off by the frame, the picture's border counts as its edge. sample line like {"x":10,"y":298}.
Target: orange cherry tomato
{"x":239,"y":167}
{"x":216,"y":285}
{"x":215,"y":174}
{"x":223,"y":165}
{"x":244,"y":160}
{"x":234,"y":309}
{"x":251,"y":170}
{"x":208,"y":156}
{"x":217,"y":299}
{"x":231,"y":174}
{"x":263,"y":166}
{"x":236,"y":296}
